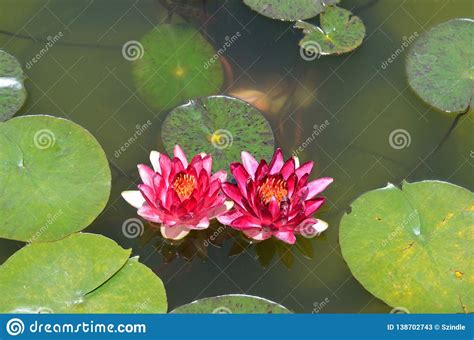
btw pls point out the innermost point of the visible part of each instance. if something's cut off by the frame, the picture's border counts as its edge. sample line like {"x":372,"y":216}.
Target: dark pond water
{"x":352,"y":105}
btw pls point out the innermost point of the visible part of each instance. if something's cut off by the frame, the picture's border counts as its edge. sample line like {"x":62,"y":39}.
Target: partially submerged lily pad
{"x":440,"y":65}
{"x":220,"y":125}
{"x":232,"y":304}
{"x":55,"y":178}
{"x":412,"y":247}
{"x":12,"y":89}
{"x":289,"y":10}
{"x":83,"y":273}
{"x":178,"y":63}
{"x":340,"y":32}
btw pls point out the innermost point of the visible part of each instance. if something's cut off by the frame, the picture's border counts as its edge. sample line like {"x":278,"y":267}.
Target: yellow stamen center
{"x":273,"y":187}
{"x":184,"y":185}
{"x":179,"y":72}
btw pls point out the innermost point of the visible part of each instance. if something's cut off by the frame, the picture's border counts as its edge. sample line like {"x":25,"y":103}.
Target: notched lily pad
{"x":12,"y":89}
{"x":83,"y":273}
{"x":220,"y":125}
{"x":178,"y":63}
{"x":289,"y":10}
{"x":232,"y":304}
{"x":340,"y":32}
{"x":440,"y":65}
{"x":412,"y":247}
{"x":55,"y":178}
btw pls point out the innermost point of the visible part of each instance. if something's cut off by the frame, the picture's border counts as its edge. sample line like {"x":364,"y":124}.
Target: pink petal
{"x":274,"y":209}
{"x":174,"y":233}
{"x":233,"y":193}
{"x":317,"y":186}
{"x":241,"y":176}
{"x":217,"y":211}
{"x":147,"y":193}
{"x":179,"y":153}
{"x":221,"y":175}
{"x":245,"y":222}
{"x":146,"y":174}
{"x":155,"y":161}
{"x":149,"y":214}
{"x":250,"y":163}
{"x":134,"y":198}
{"x":228,"y":217}
{"x":277,"y":162}
{"x":202,"y":224}
{"x":262,"y":170}
{"x":288,"y":168}
{"x":285,"y":236}
{"x":165,"y":166}
{"x":257,"y":234}
{"x":207,"y":164}
{"x":312,"y":205}
{"x":304,"y":169}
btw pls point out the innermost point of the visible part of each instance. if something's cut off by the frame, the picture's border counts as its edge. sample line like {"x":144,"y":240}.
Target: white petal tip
{"x":175,"y":233}
{"x":229,"y":204}
{"x":134,"y":198}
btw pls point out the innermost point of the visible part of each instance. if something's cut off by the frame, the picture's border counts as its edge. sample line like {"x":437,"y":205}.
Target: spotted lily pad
{"x":412,"y":247}
{"x":440,"y":65}
{"x":178,"y":63}
{"x":289,"y":10}
{"x":12,"y":89}
{"x":55,"y":178}
{"x":220,"y":125}
{"x":83,"y":273}
{"x":340,"y":32}
{"x":232,"y":304}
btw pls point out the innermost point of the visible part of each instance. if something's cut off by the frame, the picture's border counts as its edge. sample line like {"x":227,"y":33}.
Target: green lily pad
{"x":440,"y":65}
{"x":55,"y":178}
{"x":178,"y":63}
{"x":289,"y":10}
{"x":412,"y":247}
{"x":232,"y":304}
{"x":12,"y":89}
{"x":340,"y":32}
{"x":83,"y":273}
{"x":220,"y":125}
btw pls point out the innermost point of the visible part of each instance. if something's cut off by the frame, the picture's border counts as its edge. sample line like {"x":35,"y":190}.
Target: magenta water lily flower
{"x":274,"y":199}
{"x":180,"y":196}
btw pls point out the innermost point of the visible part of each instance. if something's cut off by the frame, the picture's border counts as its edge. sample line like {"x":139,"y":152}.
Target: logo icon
{"x":15,"y":327}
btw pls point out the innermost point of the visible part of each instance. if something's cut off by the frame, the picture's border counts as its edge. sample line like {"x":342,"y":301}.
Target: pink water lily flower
{"x":180,"y":196}
{"x":274,"y":199}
